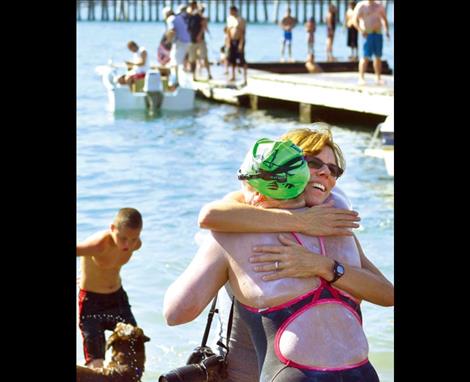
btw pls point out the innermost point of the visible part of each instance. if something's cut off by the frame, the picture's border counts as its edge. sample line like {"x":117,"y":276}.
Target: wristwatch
{"x":338,"y":271}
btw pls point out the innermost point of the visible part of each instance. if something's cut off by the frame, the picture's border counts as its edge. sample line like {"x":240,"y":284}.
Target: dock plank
{"x":335,"y":90}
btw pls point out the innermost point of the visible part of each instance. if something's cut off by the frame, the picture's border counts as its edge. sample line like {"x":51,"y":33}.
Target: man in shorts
{"x":369,"y":15}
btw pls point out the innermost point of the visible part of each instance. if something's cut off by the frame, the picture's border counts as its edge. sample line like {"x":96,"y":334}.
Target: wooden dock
{"x":311,"y":94}
{"x":254,"y":11}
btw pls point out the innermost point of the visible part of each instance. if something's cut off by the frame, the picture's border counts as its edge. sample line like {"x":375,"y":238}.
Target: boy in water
{"x":102,"y":300}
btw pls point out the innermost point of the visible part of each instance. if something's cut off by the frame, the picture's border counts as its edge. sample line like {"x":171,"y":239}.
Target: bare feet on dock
{"x":282,"y":59}
{"x":379,"y":82}
{"x":361,"y":81}
{"x":291,"y":60}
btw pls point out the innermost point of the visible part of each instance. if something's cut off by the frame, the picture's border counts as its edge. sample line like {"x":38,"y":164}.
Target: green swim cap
{"x":276,"y":169}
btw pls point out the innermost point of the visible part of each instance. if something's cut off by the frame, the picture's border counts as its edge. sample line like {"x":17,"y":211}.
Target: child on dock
{"x":102,"y":300}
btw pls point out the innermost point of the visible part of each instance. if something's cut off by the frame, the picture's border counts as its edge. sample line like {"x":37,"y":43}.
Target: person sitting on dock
{"x":236,"y":33}
{"x":369,"y":15}
{"x":177,"y":32}
{"x":137,"y":67}
{"x":310,"y":64}
{"x":102,"y":300}
{"x":287,"y":24}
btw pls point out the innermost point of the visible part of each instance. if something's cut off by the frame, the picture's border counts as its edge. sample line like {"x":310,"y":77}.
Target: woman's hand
{"x":325,"y":220}
{"x":293,"y":261}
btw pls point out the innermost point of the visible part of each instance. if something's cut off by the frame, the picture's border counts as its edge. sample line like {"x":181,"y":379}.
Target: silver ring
{"x":277,"y":265}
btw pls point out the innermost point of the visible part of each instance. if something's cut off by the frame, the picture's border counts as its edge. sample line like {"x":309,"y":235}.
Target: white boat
{"x":120,"y":97}
{"x":382,"y":144}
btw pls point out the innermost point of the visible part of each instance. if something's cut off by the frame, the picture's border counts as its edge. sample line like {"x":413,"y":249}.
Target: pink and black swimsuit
{"x":310,"y":337}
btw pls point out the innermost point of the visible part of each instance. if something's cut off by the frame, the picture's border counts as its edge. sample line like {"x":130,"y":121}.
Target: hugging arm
{"x":365,"y":283}
{"x":233,"y":215}
{"x":190,"y":293}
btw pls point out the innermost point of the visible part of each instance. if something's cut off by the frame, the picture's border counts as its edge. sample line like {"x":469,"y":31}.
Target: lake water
{"x":170,"y":165}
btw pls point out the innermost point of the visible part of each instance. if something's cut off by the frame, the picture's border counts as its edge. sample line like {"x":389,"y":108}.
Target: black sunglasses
{"x":317,"y":163}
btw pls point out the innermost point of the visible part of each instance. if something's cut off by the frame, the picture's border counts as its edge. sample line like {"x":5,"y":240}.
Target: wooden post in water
{"x":135,"y":10}
{"x":217,"y":10}
{"x":338,"y":11}
{"x":305,"y":11}
{"x":208,"y":11}
{"x":225,"y":10}
{"x":305,"y":112}
{"x":240,"y":10}
{"x":104,"y":10}
{"x":91,"y":10}
{"x":79,"y":16}
{"x":321,"y":12}
{"x":253,"y":102}
{"x":150,"y":10}
{"x":248,"y":16}
{"x":122,"y":11}
{"x":256,"y":10}
{"x":313,"y":9}
{"x":265,"y":6}
{"x":142,"y":10}
{"x":114,"y":10}
{"x":276,"y":11}
{"x":297,"y":10}
{"x":157,"y":10}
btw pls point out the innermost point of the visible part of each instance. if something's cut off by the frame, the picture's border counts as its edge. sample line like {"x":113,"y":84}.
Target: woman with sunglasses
{"x":362,"y":280}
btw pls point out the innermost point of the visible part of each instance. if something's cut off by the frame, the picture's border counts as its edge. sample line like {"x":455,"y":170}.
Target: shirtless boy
{"x":102,"y":300}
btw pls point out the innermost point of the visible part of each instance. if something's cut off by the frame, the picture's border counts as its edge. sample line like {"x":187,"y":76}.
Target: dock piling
{"x":305,"y":112}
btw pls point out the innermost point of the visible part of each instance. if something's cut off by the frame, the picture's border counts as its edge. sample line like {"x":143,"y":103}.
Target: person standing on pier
{"x":178,"y":33}
{"x":197,"y":25}
{"x":369,"y":15}
{"x":352,"y":31}
{"x":310,"y":28}
{"x":331,"y":27}
{"x":287,"y":24}
{"x":236,"y":32}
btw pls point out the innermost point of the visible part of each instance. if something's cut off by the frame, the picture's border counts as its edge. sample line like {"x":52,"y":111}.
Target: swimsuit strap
{"x":322,"y":246}
{"x":323,"y":282}
{"x":298,"y":239}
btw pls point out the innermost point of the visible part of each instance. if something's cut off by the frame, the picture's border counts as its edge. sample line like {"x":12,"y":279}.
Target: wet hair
{"x":314,"y":140}
{"x":352,"y":3}
{"x":129,"y":218}
{"x":234,"y":8}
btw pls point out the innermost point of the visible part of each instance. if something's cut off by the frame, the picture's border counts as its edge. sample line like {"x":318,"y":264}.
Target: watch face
{"x":339,"y":269}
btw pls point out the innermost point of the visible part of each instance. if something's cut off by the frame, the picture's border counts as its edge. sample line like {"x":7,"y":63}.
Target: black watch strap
{"x":338,"y":271}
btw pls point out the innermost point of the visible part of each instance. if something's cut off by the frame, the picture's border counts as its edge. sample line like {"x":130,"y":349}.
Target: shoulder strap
{"x":209,"y":321}
{"x":229,"y":330}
